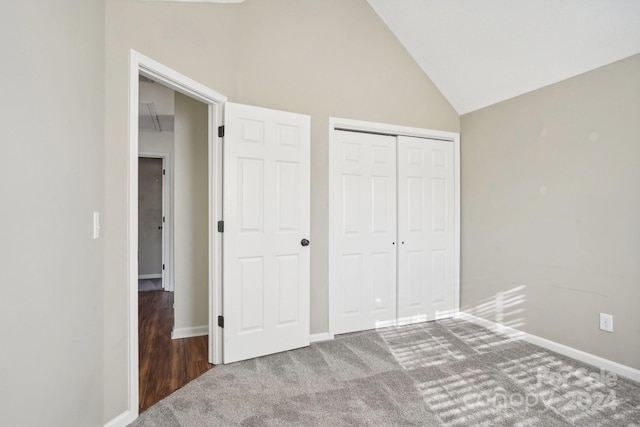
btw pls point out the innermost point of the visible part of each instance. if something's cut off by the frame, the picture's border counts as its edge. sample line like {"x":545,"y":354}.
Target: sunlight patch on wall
{"x":505,"y":308}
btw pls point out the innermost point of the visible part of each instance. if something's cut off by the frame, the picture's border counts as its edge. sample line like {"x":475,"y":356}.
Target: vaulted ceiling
{"x":482,"y":52}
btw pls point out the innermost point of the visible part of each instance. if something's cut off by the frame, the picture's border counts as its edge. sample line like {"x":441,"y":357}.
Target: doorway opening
{"x":151,"y":223}
{"x":190,"y":248}
{"x":172,"y":241}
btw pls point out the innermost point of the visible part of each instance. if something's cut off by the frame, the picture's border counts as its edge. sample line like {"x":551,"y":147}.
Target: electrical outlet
{"x":606,"y":322}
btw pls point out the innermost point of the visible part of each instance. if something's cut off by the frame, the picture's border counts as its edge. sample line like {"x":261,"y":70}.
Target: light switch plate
{"x":96,"y":225}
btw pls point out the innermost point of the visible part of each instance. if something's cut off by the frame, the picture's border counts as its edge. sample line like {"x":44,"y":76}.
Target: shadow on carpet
{"x":444,"y":373}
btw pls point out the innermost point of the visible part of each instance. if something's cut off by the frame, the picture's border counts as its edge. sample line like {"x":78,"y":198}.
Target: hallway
{"x":165,"y":364}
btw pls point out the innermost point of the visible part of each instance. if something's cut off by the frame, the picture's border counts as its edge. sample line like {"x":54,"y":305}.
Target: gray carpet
{"x":445,"y":373}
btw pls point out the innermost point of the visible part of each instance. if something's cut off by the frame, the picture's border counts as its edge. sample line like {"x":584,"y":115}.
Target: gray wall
{"x":322,"y":58}
{"x":191,"y":226}
{"x":551,"y":211}
{"x":51,"y":170}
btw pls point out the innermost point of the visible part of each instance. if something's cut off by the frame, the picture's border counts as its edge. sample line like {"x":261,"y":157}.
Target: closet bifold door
{"x":363,"y":231}
{"x":426,"y":288}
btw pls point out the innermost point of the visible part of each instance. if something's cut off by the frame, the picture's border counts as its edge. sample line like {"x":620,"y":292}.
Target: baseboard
{"x":325,"y":336}
{"x":196,"y":331}
{"x":149,"y":276}
{"x":122,"y":420}
{"x":592,"y":359}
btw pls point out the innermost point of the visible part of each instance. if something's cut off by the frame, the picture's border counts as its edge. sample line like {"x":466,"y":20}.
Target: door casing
{"x":140,"y":64}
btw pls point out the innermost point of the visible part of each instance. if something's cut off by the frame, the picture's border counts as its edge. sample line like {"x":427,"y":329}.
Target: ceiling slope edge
{"x":481,"y":53}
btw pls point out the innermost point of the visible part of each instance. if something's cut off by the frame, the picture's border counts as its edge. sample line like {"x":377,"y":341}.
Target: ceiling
{"x":156,"y":106}
{"x":479,"y":53}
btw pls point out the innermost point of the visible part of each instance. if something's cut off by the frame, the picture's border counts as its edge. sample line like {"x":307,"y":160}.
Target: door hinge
{"x":163,"y":266}
{"x":164,"y":171}
{"x":220,"y":131}
{"x":221,"y":321}
{"x":163,"y":220}
{"x":220,"y":226}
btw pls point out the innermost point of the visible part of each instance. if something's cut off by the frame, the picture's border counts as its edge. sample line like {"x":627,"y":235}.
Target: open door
{"x":266,"y":261}
{"x":151,"y":219}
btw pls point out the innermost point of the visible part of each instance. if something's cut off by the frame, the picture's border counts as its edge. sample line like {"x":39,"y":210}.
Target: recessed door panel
{"x":415,"y":203}
{"x":439,"y":205}
{"x":439,"y":276}
{"x":288,"y":136}
{"x":351,"y":204}
{"x":252,"y":294}
{"x":352,"y":277}
{"x":383,"y":295}
{"x":288,"y":289}
{"x":381,"y":155}
{"x":251,"y":198}
{"x":288,"y":193}
{"x":380,"y":190}
{"x":252,"y":131}
{"x":415,"y":279}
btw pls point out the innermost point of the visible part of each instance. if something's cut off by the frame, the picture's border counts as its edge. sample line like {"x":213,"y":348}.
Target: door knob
{"x":304,"y":242}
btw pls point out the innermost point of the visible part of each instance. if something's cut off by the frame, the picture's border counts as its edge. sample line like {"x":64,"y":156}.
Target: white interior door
{"x":266,"y":268}
{"x":426,"y":229}
{"x":363,"y":231}
{"x":150,"y":223}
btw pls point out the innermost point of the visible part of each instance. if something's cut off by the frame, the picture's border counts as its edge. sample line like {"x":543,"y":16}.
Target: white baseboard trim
{"x":196,"y":331}
{"x":149,"y":276}
{"x":592,"y":359}
{"x":122,"y":420}
{"x":324,"y":336}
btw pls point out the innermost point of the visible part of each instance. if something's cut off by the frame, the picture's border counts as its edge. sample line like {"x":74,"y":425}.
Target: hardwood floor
{"x":165,"y":364}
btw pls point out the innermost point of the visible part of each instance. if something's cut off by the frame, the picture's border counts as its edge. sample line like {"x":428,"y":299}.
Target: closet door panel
{"x":425,"y":229}
{"x":363,"y":231}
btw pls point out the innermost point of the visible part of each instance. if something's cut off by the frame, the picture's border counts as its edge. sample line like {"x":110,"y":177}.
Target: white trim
{"x":336,"y":123}
{"x":133,"y":398}
{"x":325,"y":336}
{"x":216,"y":118}
{"x":143,"y":65}
{"x":149,"y":276}
{"x":194,"y":331}
{"x":457,"y":177}
{"x":122,"y":420}
{"x":592,"y":359}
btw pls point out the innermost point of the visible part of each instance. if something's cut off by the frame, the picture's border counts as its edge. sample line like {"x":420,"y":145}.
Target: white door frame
{"x":396,"y":130}
{"x":140,"y":64}
{"x":167,"y":214}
